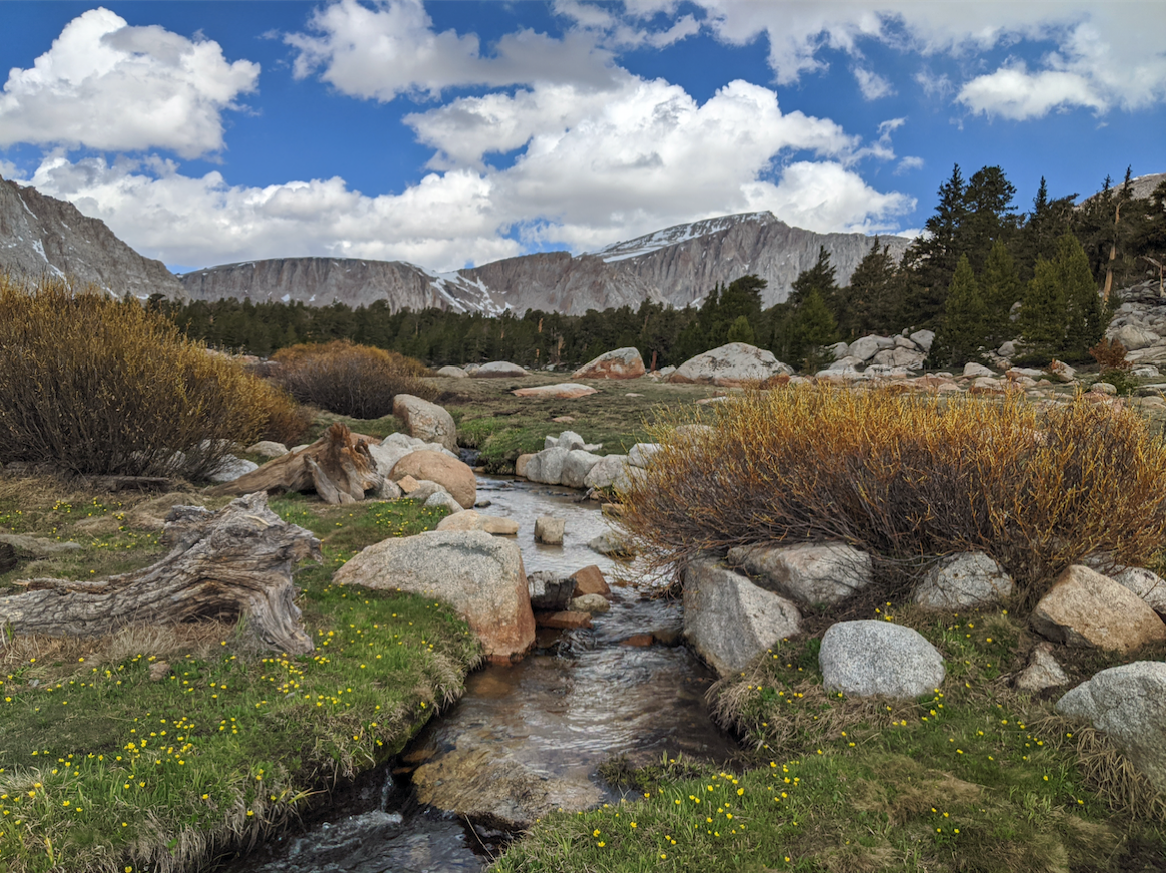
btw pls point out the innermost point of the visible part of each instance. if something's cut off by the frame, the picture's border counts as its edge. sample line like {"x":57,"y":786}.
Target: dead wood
{"x":337,"y":466}
{"x":236,"y":562}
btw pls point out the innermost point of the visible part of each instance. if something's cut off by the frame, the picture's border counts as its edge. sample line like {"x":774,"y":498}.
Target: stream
{"x":579,"y":698}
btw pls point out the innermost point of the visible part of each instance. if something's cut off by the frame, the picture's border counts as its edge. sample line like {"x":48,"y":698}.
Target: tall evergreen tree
{"x":1000,"y":288}
{"x":869,"y":303}
{"x":932,"y":258}
{"x":1085,"y":318}
{"x":1041,"y":229}
{"x":989,"y":215}
{"x":812,"y":327}
{"x":1042,"y":314}
{"x":965,"y":327}
{"x":821,"y":278}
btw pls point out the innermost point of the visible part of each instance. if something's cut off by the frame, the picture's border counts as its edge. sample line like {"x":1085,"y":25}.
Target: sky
{"x":452,"y":134}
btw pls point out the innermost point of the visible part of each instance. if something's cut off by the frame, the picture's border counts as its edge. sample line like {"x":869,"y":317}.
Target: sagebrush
{"x":908,"y":479}
{"x":91,"y":385}
{"x":349,"y":379}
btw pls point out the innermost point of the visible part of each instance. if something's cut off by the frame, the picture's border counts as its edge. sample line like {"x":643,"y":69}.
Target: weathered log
{"x":8,"y":558}
{"x":337,"y":466}
{"x":234,"y":562}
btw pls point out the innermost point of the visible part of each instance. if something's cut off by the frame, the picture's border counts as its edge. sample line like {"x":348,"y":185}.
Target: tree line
{"x":981,"y":274}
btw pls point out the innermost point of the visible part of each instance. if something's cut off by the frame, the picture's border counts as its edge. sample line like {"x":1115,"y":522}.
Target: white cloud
{"x":1013,"y":92}
{"x":646,"y":157}
{"x":827,"y":197}
{"x":934,"y":85}
{"x":1107,"y":54}
{"x":392,"y":49}
{"x":444,"y":221}
{"x":109,"y":86}
{"x":872,"y":85}
{"x":908,"y":163}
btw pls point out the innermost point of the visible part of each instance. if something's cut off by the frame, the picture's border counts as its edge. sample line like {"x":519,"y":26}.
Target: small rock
{"x":563,"y":619}
{"x":549,"y":530}
{"x":877,"y":658}
{"x":453,"y":373}
{"x":972,"y":370}
{"x":158,"y":671}
{"x":564,"y":419}
{"x":549,"y":591}
{"x":520,"y":466}
{"x":962,"y":581}
{"x":232,"y":468}
{"x":1042,"y":671}
{"x":1062,"y":371}
{"x":498,"y":370}
{"x":1147,"y":584}
{"x":624,"y":363}
{"x":408,"y":485}
{"x":389,"y":490}
{"x":590,"y":580}
{"x":638,"y":641}
{"x":591,"y":603}
{"x":613,"y":545}
{"x":1103,"y":388}
{"x":267,"y":449}
{"x":563,"y":391}
{"x":443,"y":499}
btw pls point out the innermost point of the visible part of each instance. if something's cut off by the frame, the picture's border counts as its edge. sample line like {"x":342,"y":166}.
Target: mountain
{"x":678,"y":265}
{"x":40,"y":234}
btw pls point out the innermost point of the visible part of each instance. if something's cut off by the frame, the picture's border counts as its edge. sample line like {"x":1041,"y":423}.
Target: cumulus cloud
{"x":872,"y":85}
{"x":392,"y":49}
{"x":108,"y":86}
{"x":646,"y":158}
{"x":1107,"y":54}
{"x":444,"y":221}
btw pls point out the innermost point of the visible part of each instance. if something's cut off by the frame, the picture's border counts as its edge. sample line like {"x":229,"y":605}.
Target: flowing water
{"x":580,"y":698}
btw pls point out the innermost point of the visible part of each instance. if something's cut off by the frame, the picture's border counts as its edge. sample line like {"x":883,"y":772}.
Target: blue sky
{"x":457,"y":133}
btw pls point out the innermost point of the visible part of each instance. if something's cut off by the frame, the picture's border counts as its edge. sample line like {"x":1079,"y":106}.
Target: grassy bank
{"x":155,"y":747}
{"x":501,"y":426}
{"x":974,"y":777}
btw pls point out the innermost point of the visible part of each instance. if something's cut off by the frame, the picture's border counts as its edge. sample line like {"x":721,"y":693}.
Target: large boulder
{"x":562,"y":391}
{"x":426,"y":421}
{"x":471,"y":519}
{"x":1087,"y":609}
{"x":1129,"y":704}
{"x":878,"y":658}
{"x":479,"y":575}
{"x":606,"y":471}
{"x":448,"y":372}
{"x":728,"y":620}
{"x":498,"y":370}
{"x":962,"y":581}
{"x":624,"y":363}
{"x":808,"y":573}
{"x":1134,"y":337}
{"x":232,"y":468}
{"x":547,"y":466}
{"x":576,"y":467}
{"x":454,"y":476}
{"x":640,"y":455}
{"x":729,"y":365}
{"x":864,"y":348}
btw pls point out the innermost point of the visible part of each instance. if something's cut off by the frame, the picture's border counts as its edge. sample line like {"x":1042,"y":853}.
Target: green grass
{"x":974,"y":777}
{"x":103,"y":769}
{"x":502,"y":427}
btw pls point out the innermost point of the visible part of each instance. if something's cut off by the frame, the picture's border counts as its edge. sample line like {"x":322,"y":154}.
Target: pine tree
{"x":1085,"y":315}
{"x":820,"y":278}
{"x":740,"y":331}
{"x":1042,"y":314}
{"x":990,"y":216}
{"x":869,"y":303}
{"x":813,"y":326}
{"x":1000,"y":288}
{"x":964,"y":323}
{"x":932,"y":258}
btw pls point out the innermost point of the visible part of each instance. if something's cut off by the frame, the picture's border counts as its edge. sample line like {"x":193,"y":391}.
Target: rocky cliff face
{"x":40,"y":234}
{"x":677,"y":266}
{"x":322,"y":281}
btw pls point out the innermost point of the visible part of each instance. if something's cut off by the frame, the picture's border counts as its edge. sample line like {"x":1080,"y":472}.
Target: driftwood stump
{"x":234,"y":562}
{"x":337,"y":466}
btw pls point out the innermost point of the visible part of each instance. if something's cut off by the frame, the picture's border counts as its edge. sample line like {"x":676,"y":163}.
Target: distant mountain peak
{"x":677,"y":234}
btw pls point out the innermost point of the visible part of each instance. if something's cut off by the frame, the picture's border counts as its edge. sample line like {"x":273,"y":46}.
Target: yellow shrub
{"x":94,"y":386}
{"x":908,"y":479}
{"x":349,"y":379}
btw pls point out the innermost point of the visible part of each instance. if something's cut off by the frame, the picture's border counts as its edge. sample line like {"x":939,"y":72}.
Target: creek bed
{"x":580,"y":698}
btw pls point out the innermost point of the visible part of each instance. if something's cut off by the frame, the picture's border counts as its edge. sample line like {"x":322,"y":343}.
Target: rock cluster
{"x":568,"y":460}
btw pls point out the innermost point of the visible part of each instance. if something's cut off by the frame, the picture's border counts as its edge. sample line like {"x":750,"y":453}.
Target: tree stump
{"x":337,"y":466}
{"x":234,"y":562}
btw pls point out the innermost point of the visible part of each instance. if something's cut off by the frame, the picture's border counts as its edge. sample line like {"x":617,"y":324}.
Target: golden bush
{"x":94,"y":386}
{"x":349,"y":379}
{"x":908,"y":479}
